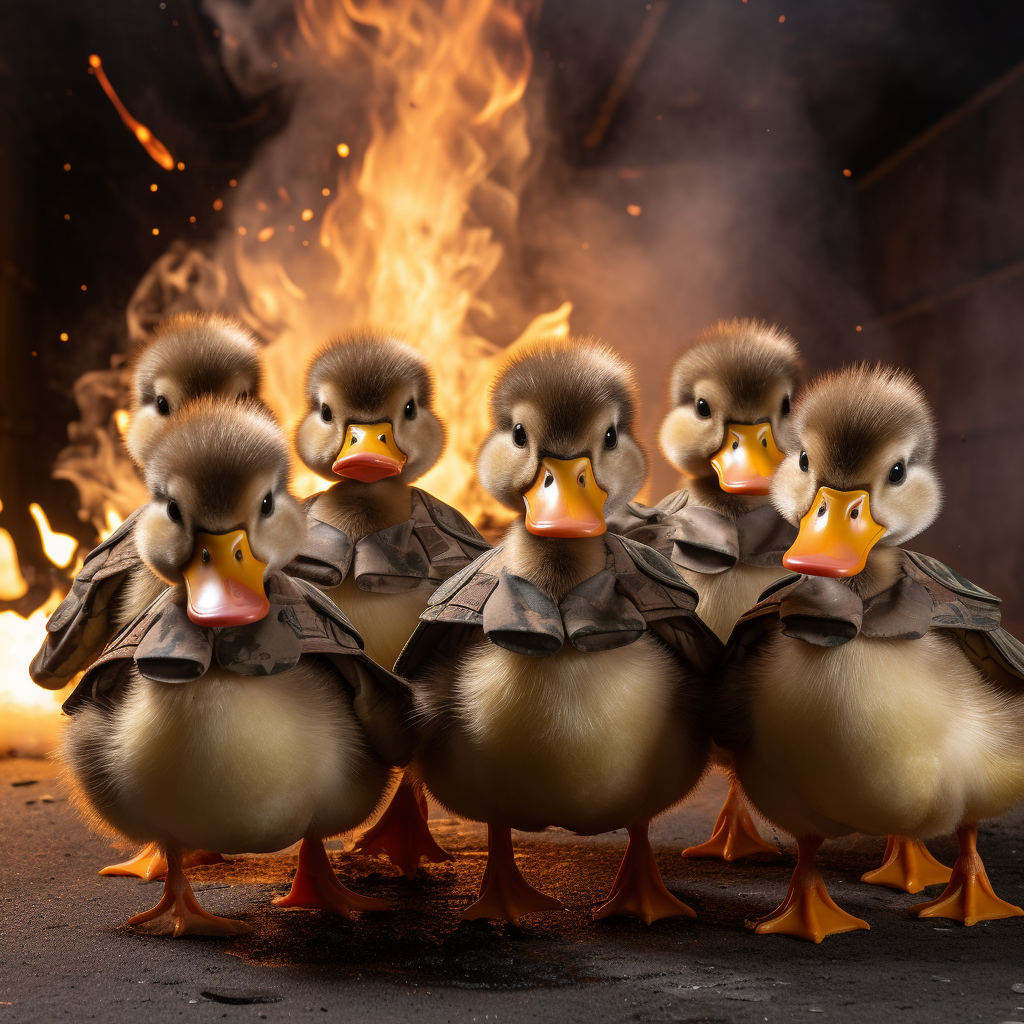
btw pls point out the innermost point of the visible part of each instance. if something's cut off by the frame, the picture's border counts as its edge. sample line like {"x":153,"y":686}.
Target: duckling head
{"x":860,"y":471}
{"x":371,"y":416}
{"x":221,"y":516}
{"x":731,"y":394}
{"x":563,"y":438}
{"x":190,"y":355}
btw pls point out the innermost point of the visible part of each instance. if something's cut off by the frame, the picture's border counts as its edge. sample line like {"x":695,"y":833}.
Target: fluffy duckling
{"x":876,"y":693}
{"x":190,"y":355}
{"x":378,"y":545}
{"x":238,"y":712}
{"x":555,"y":676}
{"x":731,"y":394}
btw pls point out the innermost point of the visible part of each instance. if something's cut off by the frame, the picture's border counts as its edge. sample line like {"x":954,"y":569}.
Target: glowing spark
{"x":265,"y":234}
{"x":150,"y":143}
{"x":67,"y":167}
{"x":59,"y":547}
{"x":847,"y":173}
{"x":325,"y":191}
{"x":64,"y":336}
{"x":153,"y":187}
{"x":343,"y":150}
{"x":218,"y":204}
{"x":241,"y":231}
{"x":307,"y":214}
{"x":156,"y":231}
{"x":633,"y":210}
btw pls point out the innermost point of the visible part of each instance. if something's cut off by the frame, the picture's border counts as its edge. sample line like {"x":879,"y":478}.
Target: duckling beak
{"x":369,"y":453}
{"x":835,"y":536}
{"x":747,"y":460}
{"x":224,"y":581}
{"x":565,"y":500}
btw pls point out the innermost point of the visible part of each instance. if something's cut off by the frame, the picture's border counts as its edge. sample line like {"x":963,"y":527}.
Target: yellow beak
{"x":835,"y":536}
{"x":747,"y":460}
{"x":224,"y":581}
{"x":565,"y":500}
{"x":369,"y":453}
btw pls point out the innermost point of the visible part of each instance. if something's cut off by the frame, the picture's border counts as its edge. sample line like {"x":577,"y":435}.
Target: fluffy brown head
{"x":738,"y":371}
{"x":369,"y":377}
{"x":864,"y":428}
{"x":220,"y":465}
{"x":571,"y":397}
{"x":190,"y":355}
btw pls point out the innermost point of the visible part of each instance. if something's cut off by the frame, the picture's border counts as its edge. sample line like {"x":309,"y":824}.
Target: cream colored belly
{"x":590,"y":742}
{"x":879,"y":736}
{"x":229,"y":763}
{"x":725,"y":596}
{"x":384,"y":621}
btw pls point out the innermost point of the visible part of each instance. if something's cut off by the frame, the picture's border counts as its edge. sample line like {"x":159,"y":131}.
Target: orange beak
{"x":835,"y":536}
{"x":747,"y":460}
{"x":224,"y":581}
{"x":369,"y":453}
{"x":565,"y":500}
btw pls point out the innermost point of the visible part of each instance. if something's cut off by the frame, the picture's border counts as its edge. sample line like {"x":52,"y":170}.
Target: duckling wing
{"x":78,"y":629}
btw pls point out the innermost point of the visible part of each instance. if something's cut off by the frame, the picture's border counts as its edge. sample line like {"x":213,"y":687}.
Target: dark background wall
{"x":732,"y":134}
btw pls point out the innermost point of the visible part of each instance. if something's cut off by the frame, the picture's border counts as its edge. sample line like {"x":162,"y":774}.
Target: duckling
{"x":238,"y":712}
{"x":876,"y":693}
{"x":520,"y":728}
{"x":190,"y":355}
{"x":731,"y":394}
{"x":379,"y":546}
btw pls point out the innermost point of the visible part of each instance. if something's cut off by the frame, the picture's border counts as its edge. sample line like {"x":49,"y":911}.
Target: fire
{"x":59,"y":547}
{"x":150,"y":143}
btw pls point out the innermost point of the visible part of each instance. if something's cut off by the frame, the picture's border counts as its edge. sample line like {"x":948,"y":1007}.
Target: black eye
{"x":410,"y":409}
{"x":898,"y":473}
{"x":804,"y":461}
{"x":703,"y":409}
{"x":785,"y":406}
{"x":611,"y":437}
{"x":519,"y":435}
{"x":173,"y":512}
{"x":325,"y":412}
{"x":163,"y":406}
{"x":268,"y":504}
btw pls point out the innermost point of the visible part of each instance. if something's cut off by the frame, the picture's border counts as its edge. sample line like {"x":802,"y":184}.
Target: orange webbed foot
{"x":150,"y":863}
{"x":808,"y":912}
{"x":179,"y":913}
{"x":638,"y":890}
{"x":504,"y":894}
{"x":735,"y":835}
{"x":907,"y":865}
{"x":402,"y":832}
{"x":969,"y":896}
{"x":317,"y":887}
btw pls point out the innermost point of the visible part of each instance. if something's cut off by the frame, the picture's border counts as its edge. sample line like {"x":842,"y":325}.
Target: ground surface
{"x":64,"y":955}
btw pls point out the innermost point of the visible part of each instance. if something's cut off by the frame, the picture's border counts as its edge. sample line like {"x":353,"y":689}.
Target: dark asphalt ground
{"x":65,"y":956}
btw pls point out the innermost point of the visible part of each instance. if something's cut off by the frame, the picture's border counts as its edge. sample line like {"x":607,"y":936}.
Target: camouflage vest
{"x":435,"y":542}
{"x":700,"y":539}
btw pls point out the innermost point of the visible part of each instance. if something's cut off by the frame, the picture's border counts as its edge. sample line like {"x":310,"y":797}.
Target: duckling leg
{"x":969,"y":896}
{"x":735,"y":835}
{"x":638,"y":889}
{"x":317,"y":887}
{"x":907,"y":865}
{"x":178,"y":912}
{"x":504,"y":894}
{"x":807,"y":911}
{"x":150,"y":863}
{"x":402,"y":831}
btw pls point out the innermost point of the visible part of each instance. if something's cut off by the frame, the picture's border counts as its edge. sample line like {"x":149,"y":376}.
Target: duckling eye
{"x":519,"y":435}
{"x":268,"y":504}
{"x":703,"y":409}
{"x":325,"y":412}
{"x":173,"y":512}
{"x":785,"y":406}
{"x":804,"y":461}
{"x":410,"y":409}
{"x":163,"y":406}
{"x":611,"y":437}
{"x":898,"y":473}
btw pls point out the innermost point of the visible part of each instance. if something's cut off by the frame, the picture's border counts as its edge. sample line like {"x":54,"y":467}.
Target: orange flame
{"x":150,"y":143}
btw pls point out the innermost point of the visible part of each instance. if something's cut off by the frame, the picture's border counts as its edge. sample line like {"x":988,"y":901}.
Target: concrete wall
{"x":943,"y":229}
